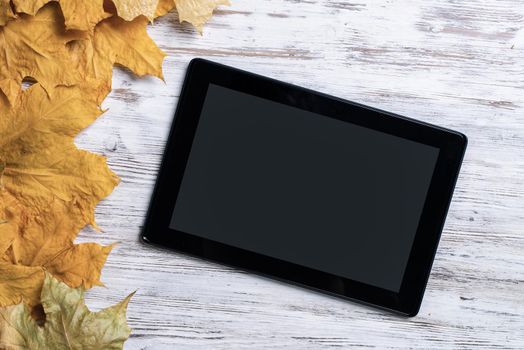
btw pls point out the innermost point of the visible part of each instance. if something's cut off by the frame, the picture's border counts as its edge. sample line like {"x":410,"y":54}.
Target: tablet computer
{"x":304,"y":187}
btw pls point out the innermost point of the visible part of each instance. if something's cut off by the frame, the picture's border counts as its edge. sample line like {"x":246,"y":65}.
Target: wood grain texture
{"x":446,"y":62}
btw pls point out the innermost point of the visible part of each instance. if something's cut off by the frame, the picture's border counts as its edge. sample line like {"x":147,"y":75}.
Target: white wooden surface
{"x":442,"y":61}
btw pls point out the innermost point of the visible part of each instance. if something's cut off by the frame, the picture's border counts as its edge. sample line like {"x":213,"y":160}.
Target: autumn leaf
{"x":78,"y":14}
{"x":11,"y":89}
{"x":44,"y":241}
{"x":17,"y":282}
{"x":89,"y":57}
{"x":20,"y":283}
{"x":164,"y":6}
{"x":41,"y":160}
{"x":84,"y":15}
{"x":127,"y":44}
{"x":6,"y":13}
{"x":36,"y":47}
{"x":68,"y":323}
{"x":29,"y":7}
{"x":197,"y":12}
{"x":11,"y":217}
{"x":48,"y":187}
{"x":115,"y":41}
{"x":131,"y":9}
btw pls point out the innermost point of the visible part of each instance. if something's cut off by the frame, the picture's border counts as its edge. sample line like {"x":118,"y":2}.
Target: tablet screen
{"x":304,"y":188}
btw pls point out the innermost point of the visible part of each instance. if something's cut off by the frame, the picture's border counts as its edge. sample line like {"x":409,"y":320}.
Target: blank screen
{"x":304,"y":188}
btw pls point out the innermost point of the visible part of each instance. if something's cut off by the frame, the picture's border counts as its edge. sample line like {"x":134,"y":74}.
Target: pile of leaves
{"x":48,"y":187}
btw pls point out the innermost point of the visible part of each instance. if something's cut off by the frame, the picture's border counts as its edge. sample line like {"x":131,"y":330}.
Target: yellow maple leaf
{"x":164,"y":6}
{"x":49,"y":189}
{"x":89,"y":56}
{"x":84,"y":15}
{"x":43,"y":242}
{"x":131,"y":9}
{"x":11,"y":89}
{"x":6,"y":12}
{"x":17,"y":282}
{"x":127,"y":44}
{"x":78,"y":15}
{"x":41,"y":160}
{"x":20,"y":283}
{"x":115,"y":41}
{"x":29,"y":7}
{"x":11,"y":216}
{"x":197,"y":12}
{"x":36,"y":47}
{"x":68,"y":323}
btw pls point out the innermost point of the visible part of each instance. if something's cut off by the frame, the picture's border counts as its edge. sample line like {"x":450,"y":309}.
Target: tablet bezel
{"x":200,"y":74}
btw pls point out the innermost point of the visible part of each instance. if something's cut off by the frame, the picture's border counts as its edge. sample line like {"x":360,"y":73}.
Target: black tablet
{"x":304,"y":187}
